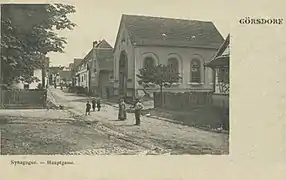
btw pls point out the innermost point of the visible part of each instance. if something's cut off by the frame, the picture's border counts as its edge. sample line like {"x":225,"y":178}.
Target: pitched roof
{"x":103,"y":44}
{"x":76,"y":62}
{"x":222,"y":55}
{"x":104,"y":55}
{"x":160,"y":31}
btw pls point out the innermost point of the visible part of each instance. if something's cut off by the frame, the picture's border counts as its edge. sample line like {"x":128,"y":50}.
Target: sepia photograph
{"x":83,"y":80}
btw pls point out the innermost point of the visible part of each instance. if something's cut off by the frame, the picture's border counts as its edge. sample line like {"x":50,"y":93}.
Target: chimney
{"x":94,"y":43}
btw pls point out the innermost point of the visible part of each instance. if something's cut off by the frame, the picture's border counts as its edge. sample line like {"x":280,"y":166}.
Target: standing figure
{"x":98,"y":104}
{"x":138,"y":107}
{"x":122,"y":110}
{"x":93,"y":102}
{"x":88,"y":107}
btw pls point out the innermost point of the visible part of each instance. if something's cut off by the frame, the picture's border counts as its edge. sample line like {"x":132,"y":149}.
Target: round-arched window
{"x":149,"y":62}
{"x":195,"y":71}
{"x":174,"y":64}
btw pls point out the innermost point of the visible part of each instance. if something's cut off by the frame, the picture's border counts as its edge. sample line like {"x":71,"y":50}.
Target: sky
{"x":98,"y":20}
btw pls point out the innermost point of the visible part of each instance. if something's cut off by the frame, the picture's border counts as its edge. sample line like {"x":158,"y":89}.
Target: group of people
{"x":122,"y":113}
{"x":95,"y":103}
{"x":138,"y":106}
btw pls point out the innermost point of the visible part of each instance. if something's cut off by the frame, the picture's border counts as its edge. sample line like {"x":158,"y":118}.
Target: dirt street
{"x":155,"y":135}
{"x":41,"y":132}
{"x":70,"y":132}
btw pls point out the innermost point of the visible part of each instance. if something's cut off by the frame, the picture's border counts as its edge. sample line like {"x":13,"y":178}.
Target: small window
{"x":26,"y":86}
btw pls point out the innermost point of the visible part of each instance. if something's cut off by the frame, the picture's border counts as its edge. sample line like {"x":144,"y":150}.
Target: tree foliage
{"x":28,"y":33}
{"x":161,"y":75}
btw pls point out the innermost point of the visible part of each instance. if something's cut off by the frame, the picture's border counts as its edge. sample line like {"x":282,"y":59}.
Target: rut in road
{"x":154,"y":135}
{"x":147,"y":147}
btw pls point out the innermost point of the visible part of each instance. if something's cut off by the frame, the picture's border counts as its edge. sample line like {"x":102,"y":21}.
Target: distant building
{"x":41,"y":73}
{"x":95,"y":71}
{"x":147,"y":41}
{"x":60,"y":75}
{"x":74,"y":76}
{"x":82,"y":74}
{"x":54,"y":75}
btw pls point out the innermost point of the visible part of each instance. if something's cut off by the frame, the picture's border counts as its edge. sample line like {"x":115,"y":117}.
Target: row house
{"x":82,"y":74}
{"x":95,"y":71}
{"x":187,"y":45}
{"x":73,"y":67}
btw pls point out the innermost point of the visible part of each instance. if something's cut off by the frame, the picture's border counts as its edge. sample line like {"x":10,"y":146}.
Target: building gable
{"x":222,"y":56}
{"x":122,"y":34}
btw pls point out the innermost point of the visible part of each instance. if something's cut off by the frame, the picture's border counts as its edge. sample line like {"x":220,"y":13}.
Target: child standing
{"x":93,"y":102}
{"x":98,"y":104}
{"x":88,"y":107}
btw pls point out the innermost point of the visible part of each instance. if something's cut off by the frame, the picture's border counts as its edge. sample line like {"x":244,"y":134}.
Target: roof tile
{"x":174,"y":32}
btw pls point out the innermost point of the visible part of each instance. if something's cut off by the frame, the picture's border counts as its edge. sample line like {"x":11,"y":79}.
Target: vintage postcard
{"x":153,"y":85}
{"x":114,"y":79}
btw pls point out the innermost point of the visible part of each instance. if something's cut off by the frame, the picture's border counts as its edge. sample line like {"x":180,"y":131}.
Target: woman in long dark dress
{"x":122,"y":110}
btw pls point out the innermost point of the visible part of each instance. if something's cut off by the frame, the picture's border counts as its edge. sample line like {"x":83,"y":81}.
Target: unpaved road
{"x":33,"y":132}
{"x":156,"y":136}
{"x":70,"y":132}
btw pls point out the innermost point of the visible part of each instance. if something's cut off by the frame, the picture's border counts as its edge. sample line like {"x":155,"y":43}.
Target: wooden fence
{"x":181,"y":101}
{"x":196,"y":108}
{"x":23,"y":99}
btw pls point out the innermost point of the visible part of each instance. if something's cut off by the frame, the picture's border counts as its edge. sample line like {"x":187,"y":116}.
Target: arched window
{"x":174,"y":64}
{"x":195,"y":71}
{"x":149,"y":62}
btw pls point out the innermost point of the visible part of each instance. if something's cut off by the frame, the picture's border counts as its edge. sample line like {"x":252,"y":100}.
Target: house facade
{"x":74,"y":66}
{"x":95,"y":72}
{"x":82,"y":75}
{"x":103,"y":69}
{"x":220,"y":66}
{"x":40,"y":73}
{"x":35,"y":84}
{"x":148,"y":41}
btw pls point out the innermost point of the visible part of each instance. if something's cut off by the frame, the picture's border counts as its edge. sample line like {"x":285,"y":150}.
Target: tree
{"x":28,"y":33}
{"x":161,"y":75}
